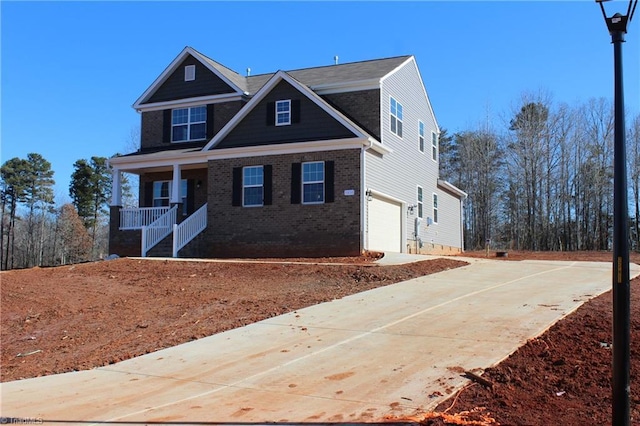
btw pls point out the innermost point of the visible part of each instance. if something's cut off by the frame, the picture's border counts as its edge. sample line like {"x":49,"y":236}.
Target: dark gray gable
{"x":313,"y":123}
{"x":205,"y":84}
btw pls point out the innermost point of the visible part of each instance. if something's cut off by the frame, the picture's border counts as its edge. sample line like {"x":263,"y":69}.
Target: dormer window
{"x":189,"y":124}
{"x":283,"y":112}
{"x":189,"y":73}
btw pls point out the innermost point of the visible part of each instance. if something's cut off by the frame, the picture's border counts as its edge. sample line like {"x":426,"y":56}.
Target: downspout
{"x":363,"y":196}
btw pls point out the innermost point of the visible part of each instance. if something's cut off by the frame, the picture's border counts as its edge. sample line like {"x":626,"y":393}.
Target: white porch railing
{"x":153,"y":233}
{"x":137,"y":218}
{"x":188,"y":229}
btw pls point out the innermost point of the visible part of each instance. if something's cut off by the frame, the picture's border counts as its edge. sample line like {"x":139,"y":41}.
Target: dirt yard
{"x":78,"y":317}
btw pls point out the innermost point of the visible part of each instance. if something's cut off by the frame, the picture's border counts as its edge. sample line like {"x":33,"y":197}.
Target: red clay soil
{"x":78,"y":317}
{"x":563,"y":377}
{"x":70,"y":318}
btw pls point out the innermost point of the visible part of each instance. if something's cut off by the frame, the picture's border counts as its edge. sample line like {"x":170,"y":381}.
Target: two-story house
{"x":324,"y":161}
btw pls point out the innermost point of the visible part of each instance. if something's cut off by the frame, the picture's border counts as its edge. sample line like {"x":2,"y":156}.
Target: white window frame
{"x":421,"y":136}
{"x":395,"y":116}
{"x":189,"y":73}
{"x":435,"y":208}
{"x":253,"y":185}
{"x":189,"y":123}
{"x":434,"y":146}
{"x":282,"y":113}
{"x":313,"y":182}
{"x":183,"y":194}
{"x":420,"y":202}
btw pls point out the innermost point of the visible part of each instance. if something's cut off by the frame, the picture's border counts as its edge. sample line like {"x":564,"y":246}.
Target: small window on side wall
{"x":434,"y":146}
{"x":395,"y":117}
{"x":435,"y":208}
{"x":189,"y":73}
{"x":421,"y":135}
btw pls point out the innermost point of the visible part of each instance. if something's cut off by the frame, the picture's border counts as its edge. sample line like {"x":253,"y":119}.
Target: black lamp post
{"x":617,"y":25}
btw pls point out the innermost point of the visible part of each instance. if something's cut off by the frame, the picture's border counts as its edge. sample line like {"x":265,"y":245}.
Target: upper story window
{"x":252,"y":186}
{"x":313,"y":182}
{"x":283,"y":112}
{"x":421,"y":135}
{"x":189,"y":124}
{"x":420,"y":203}
{"x":435,"y":208}
{"x":395,"y":117}
{"x":434,"y":146}
{"x":189,"y":73}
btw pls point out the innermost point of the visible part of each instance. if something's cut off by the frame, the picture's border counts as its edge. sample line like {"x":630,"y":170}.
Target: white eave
{"x":187,"y":102}
{"x":139,"y":103}
{"x":452,"y":188}
{"x":347,"y":86}
{"x":190,"y":156}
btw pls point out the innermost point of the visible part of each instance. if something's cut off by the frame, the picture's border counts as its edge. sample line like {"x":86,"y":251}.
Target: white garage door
{"x":385,"y":230}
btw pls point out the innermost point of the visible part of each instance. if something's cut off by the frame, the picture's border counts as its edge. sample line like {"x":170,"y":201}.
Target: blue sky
{"x":70,"y":71}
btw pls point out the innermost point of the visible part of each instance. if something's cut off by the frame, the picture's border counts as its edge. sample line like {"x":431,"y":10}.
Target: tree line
{"x":543,"y":180}
{"x":36,"y":232}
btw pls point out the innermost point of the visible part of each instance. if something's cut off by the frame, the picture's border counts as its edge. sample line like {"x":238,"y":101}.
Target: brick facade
{"x":284,"y":229}
{"x":122,"y":243}
{"x":151,"y":130}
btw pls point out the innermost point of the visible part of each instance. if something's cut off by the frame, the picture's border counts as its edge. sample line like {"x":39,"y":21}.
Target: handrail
{"x":137,"y":218}
{"x":153,"y":233}
{"x":188,"y":229}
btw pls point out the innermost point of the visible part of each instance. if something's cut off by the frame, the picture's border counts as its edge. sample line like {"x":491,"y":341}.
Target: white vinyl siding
{"x":398,"y":173}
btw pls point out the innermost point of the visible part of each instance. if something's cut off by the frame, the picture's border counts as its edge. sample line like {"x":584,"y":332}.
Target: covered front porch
{"x":171,"y":211}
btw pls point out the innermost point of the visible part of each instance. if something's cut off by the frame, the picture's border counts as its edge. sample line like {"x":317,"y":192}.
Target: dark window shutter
{"x":191,"y":192}
{"x":296,"y":182}
{"x":166,"y":126}
{"x":237,"y":187}
{"x":329,"y":195}
{"x":148,"y":194}
{"x":295,"y":111}
{"x":210,"y":133}
{"x":271,"y":114}
{"x":268,"y":185}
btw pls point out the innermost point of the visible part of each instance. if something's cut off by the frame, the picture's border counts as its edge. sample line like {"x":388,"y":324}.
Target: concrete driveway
{"x":388,"y":351}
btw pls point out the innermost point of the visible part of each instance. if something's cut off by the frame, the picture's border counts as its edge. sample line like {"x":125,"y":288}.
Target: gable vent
{"x":189,"y":73}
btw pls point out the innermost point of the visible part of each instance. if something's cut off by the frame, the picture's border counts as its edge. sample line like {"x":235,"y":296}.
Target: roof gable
{"x":261,"y":97}
{"x":211,"y":79}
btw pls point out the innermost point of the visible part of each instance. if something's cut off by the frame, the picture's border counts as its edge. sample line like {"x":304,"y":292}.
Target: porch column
{"x":175,"y":185}
{"x":116,"y":188}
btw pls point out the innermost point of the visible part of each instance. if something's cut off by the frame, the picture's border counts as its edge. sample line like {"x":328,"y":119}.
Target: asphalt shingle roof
{"x":329,"y":74}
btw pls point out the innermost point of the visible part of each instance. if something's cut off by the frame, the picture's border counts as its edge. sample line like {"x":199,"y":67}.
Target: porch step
{"x":163,"y":249}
